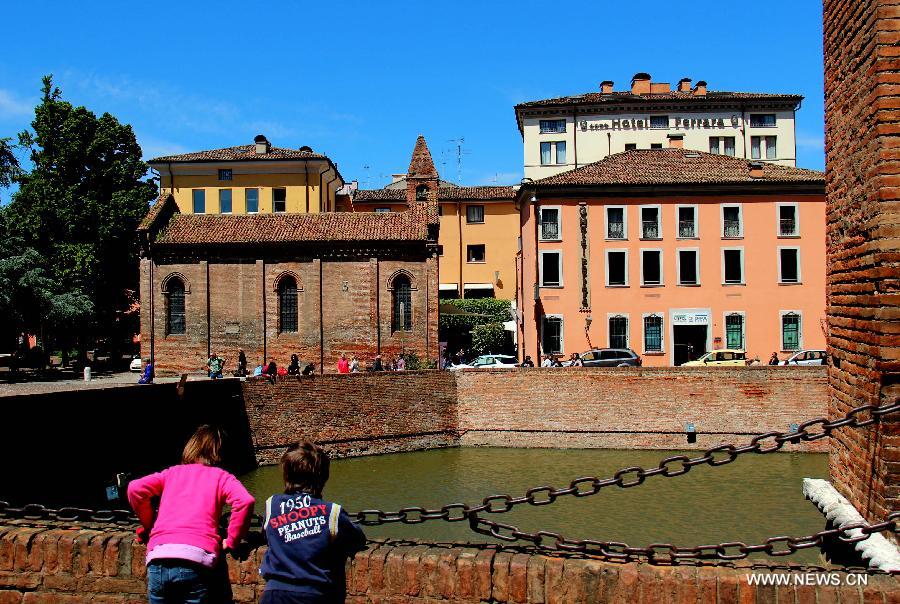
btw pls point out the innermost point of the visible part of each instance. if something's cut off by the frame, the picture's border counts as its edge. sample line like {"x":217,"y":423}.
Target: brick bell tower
{"x":422,"y":176}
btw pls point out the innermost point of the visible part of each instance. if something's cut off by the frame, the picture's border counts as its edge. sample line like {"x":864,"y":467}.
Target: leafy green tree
{"x":9,"y":165}
{"x":78,"y":208}
{"x":489,"y":338}
{"x":459,"y":330}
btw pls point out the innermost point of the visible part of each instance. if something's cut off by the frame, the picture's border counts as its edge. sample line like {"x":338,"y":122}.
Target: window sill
{"x":694,"y":238}
{"x":474,"y":222}
{"x":794,"y":236}
{"x":734,"y":284}
{"x":688,"y":285}
{"x":617,"y":238}
{"x":550,"y":286}
{"x":790,"y":283}
{"x":617,"y":285}
{"x":650,"y":239}
{"x":476,"y":262}
{"x":788,"y":352}
{"x":550,"y":240}
{"x":738,"y":238}
{"x":651,"y":285}
{"x":654,"y":353}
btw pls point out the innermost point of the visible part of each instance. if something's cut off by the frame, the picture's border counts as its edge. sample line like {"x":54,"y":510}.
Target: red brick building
{"x":315,"y":285}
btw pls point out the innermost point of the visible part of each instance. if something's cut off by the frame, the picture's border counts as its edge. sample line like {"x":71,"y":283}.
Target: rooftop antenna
{"x":368,"y":177}
{"x":460,"y":151}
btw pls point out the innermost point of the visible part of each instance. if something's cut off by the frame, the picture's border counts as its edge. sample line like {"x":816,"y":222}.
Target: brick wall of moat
{"x":57,"y":565}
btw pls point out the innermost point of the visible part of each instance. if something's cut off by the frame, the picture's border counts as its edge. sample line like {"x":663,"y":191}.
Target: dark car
{"x":611,"y":357}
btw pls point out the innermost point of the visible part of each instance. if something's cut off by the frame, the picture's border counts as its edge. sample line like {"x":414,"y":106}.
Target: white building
{"x":564,"y":133}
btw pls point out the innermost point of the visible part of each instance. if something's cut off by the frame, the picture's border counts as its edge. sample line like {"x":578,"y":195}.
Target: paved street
{"x":108,"y":380}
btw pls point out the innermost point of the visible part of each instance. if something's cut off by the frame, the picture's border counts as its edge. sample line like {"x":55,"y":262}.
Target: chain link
{"x":667,"y":553}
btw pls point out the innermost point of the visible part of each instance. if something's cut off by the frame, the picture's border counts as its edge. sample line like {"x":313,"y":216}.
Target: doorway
{"x":690,"y":342}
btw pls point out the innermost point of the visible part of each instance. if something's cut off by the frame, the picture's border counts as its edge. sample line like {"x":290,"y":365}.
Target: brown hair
{"x":305,"y":467}
{"x":205,"y":446}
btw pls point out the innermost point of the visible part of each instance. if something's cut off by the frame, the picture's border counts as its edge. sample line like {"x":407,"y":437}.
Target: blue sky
{"x":360,"y":80}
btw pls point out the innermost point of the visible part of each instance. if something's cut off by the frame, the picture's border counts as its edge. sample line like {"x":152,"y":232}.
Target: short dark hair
{"x":205,"y":446}
{"x":305,"y":466}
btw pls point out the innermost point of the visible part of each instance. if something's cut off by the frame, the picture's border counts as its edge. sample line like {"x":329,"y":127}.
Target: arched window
{"x":287,"y":304}
{"x":422,"y":193}
{"x":402,"y":304}
{"x":175,"y":308}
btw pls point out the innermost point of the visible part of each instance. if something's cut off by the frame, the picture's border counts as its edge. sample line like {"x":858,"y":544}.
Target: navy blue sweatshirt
{"x":309,"y":542}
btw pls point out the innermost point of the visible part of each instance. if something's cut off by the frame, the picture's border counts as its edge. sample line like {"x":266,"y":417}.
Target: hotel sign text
{"x":678,"y":123}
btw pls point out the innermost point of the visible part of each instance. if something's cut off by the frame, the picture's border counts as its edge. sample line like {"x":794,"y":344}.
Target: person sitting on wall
{"x":555,"y":362}
{"x":294,"y":367}
{"x":309,"y":369}
{"x":147,"y":376}
{"x":354,"y":365}
{"x":259,"y":370}
{"x":400,"y":363}
{"x":547,"y":362}
{"x":773,"y":360}
{"x":575,"y":360}
{"x":343,"y":365}
{"x":271,"y":371}
{"x":527,"y":362}
{"x":215,"y":364}
{"x":377,"y":366}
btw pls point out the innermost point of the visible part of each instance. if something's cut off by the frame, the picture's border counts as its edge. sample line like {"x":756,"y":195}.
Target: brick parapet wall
{"x":862,"y":140}
{"x":53,"y":564}
{"x":636,"y":408}
{"x":355,"y":414}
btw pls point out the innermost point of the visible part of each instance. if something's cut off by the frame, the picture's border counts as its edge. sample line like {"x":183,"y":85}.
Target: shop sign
{"x":690,"y":318}
{"x":678,"y":123}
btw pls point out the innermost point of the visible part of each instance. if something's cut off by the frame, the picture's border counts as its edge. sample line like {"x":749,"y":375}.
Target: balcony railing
{"x":788,"y":226}
{"x":549,"y":230}
{"x":732,"y":228}
{"x":615,"y":230}
{"x":687,"y":228}
{"x":650,"y":229}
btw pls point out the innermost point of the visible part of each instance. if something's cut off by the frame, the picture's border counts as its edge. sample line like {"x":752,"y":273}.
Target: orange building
{"x":672,"y":252}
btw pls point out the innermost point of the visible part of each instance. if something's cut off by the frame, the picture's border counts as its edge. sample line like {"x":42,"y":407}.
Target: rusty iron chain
{"x":667,"y":553}
{"x":631,"y":476}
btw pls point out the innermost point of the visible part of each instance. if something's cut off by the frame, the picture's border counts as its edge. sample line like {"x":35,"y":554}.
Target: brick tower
{"x":422,"y":176}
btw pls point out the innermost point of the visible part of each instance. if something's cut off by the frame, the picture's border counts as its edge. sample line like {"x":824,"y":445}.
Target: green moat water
{"x":754,"y":498}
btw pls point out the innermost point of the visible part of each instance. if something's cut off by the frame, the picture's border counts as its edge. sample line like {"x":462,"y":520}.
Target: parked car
{"x":135,"y":364}
{"x":728,"y":357}
{"x":807,"y":357}
{"x":611,"y":357}
{"x":489,"y":361}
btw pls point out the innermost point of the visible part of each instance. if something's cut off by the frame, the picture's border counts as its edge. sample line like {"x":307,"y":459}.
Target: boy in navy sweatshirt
{"x":309,"y":538}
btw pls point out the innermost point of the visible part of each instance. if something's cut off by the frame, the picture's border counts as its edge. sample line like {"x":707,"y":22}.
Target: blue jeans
{"x":173,"y":582}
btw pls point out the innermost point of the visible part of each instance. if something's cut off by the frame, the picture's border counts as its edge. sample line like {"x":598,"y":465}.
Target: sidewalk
{"x":107,"y":380}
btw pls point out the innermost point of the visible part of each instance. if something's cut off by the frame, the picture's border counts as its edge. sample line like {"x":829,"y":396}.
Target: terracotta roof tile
{"x":676,"y":166}
{"x":240,"y":153}
{"x":444,"y":194}
{"x":600,"y":98}
{"x":154,"y":212}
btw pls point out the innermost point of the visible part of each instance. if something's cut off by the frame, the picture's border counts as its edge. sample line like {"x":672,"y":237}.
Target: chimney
{"x":640,"y":83}
{"x":660,"y":87}
{"x":684,"y":85}
{"x":606,"y":86}
{"x":756,"y":169}
{"x":397,"y":177}
{"x":700,"y":88}
{"x":262,"y":144}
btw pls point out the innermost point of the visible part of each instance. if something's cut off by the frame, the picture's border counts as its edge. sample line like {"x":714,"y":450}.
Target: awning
{"x":510,"y":326}
{"x":448,"y":287}
{"x":478,"y":286}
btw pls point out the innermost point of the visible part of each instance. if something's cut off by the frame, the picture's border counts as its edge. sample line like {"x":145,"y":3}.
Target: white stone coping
{"x":877,"y":551}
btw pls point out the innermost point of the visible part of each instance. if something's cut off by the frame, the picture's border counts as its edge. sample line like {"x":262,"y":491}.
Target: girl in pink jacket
{"x":184,"y":543}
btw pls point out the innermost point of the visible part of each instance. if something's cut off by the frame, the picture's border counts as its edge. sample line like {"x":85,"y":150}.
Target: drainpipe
{"x":462,"y":290}
{"x":744,"y":129}
{"x":608,"y":144}
{"x":321,"y":315}
{"x":152,"y":294}
{"x":329,"y":185}
{"x":537,"y":275}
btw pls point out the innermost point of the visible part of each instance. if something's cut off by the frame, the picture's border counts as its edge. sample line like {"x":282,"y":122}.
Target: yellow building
{"x":250,"y":179}
{"x":478,"y":235}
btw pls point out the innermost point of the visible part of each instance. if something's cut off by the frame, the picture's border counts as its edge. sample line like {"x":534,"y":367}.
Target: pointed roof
{"x":421,"y":166}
